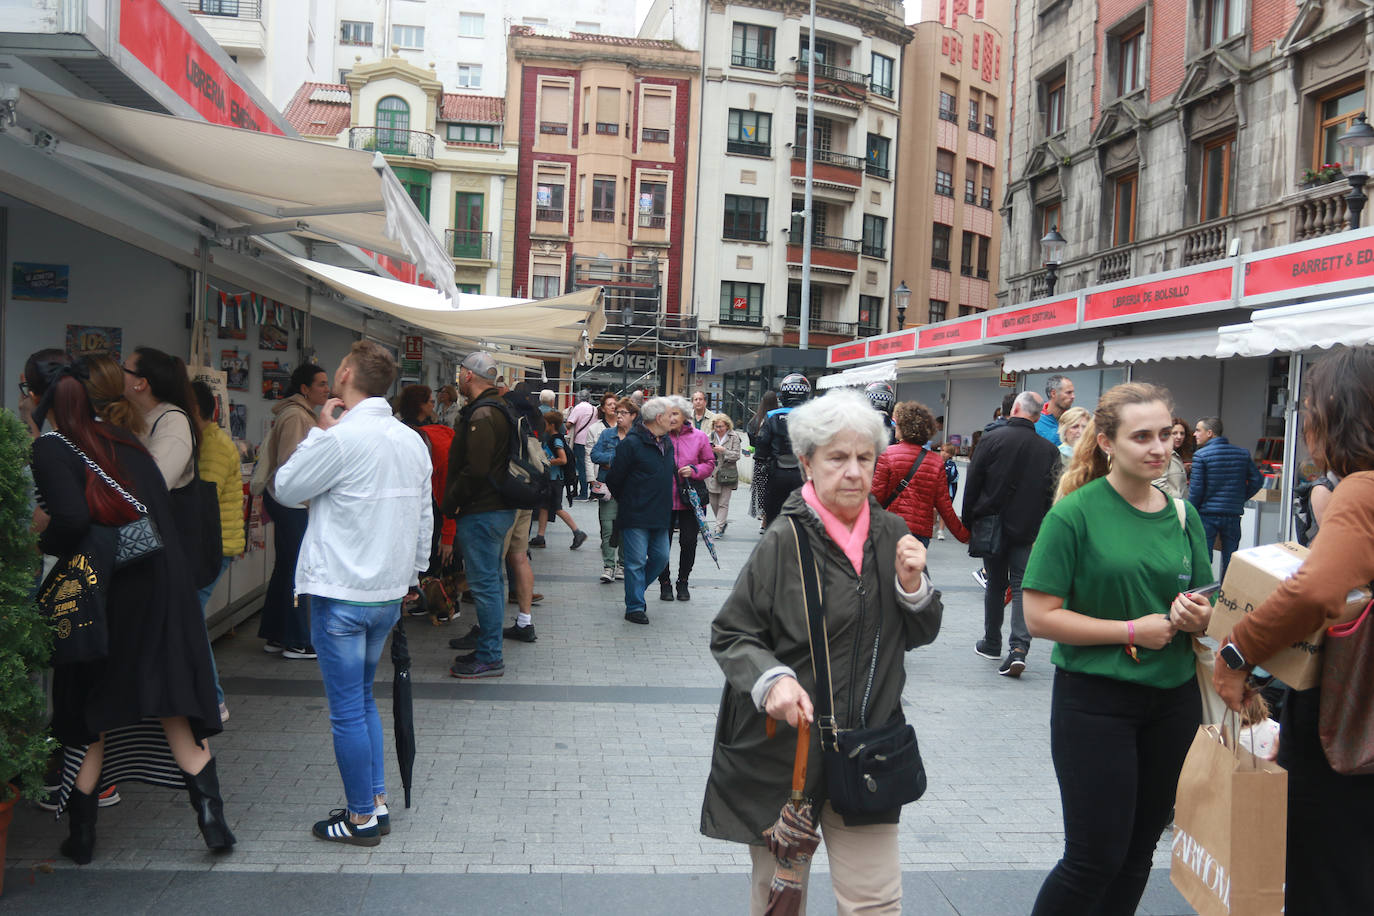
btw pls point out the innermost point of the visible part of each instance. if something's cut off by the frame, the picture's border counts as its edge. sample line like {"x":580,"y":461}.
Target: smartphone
{"x":1206,"y":591}
{"x":339,"y":411}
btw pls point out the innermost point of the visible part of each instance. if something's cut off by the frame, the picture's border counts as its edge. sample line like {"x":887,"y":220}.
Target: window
{"x":968,"y":251}
{"x":794,"y":300}
{"x":544,"y":286}
{"x":752,"y":46}
{"x":607,"y":111}
{"x":653,"y":204}
{"x":947,"y":107}
{"x":1221,"y":19}
{"x":938,"y":309}
{"x":878,"y":151}
{"x":944,"y":173}
{"x":472,"y":133}
{"x":1336,"y":112}
{"x":970,"y":190}
{"x":468,"y":237}
{"x":471,"y":25}
{"x":985,"y":192}
{"x":870,"y":315}
{"x":472,"y":289}
{"x":939,"y":247}
{"x":741,"y":303}
{"x":416,"y":183}
{"x":875,"y":236}
{"x":1050,"y":218}
{"x":554,"y":110}
{"x":603,"y":199}
{"x":984,"y":252}
{"x":1128,"y":63}
{"x":825,"y":132}
{"x":825,"y":53}
{"x":974,"y":122}
{"x":1123,"y":213}
{"x":749,"y":133}
{"x":393,"y":126}
{"x":355,"y":33}
{"x":549,"y":197}
{"x":965,"y":310}
{"x":470,"y":76}
{"x":989,"y":115}
{"x":1217,"y":159}
{"x":656,"y":117}
{"x":408,"y":36}
{"x":746,"y":218}
{"x":881,"y":81}
{"x":1054,"y":106}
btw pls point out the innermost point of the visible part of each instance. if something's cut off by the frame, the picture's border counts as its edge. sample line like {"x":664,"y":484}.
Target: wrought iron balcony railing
{"x":826,"y":71}
{"x":468,"y":243}
{"x":234,"y":9}
{"x":831,"y":157}
{"x":392,"y":141}
{"x":748,"y":148}
{"x":821,"y":326}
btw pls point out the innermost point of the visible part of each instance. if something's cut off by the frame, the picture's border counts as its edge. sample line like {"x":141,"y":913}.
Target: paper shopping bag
{"x":1230,"y":829}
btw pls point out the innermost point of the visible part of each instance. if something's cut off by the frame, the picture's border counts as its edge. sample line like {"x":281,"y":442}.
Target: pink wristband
{"x":1130,"y":632}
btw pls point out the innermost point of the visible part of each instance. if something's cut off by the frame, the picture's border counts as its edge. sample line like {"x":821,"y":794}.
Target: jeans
{"x":1006,"y":569}
{"x":688,"y":533}
{"x":205,"y":594}
{"x":284,"y":620}
{"x":481,"y":536}
{"x":1118,"y":749}
{"x":606,"y":510}
{"x":580,"y":467}
{"x":349,"y":639}
{"x":1228,"y":527}
{"x":646,"y":552}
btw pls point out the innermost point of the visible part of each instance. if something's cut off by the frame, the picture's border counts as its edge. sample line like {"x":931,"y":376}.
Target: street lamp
{"x":1052,"y":246}
{"x":627,"y":315}
{"x":1355,"y":143}
{"x":901,"y":297}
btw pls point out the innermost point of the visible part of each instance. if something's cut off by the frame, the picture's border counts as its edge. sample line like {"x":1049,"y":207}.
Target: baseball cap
{"x":480,"y":364}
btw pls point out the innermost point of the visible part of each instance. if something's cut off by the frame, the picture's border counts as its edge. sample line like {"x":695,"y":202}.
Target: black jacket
{"x":642,"y":480}
{"x":1014,"y":473}
{"x":773,"y":445}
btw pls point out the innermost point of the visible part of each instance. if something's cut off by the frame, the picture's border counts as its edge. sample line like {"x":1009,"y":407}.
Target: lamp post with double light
{"x":901,"y":297}
{"x":1052,"y":246}
{"x":1355,"y":144}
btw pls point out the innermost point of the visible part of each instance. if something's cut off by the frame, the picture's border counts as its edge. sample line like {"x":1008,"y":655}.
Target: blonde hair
{"x":1089,"y":462}
{"x":723,"y":418}
{"x":105,"y":388}
{"x":1069,"y":417}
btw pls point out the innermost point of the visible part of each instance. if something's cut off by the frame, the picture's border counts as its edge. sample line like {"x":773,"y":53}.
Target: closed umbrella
{"x":690,"y":492}
{"x":794,"y":838}
{"x":403,"y":705}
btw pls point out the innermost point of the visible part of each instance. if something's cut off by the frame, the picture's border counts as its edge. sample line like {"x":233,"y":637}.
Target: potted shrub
{"x":1329,"y":172}
{"x":25,"y":636}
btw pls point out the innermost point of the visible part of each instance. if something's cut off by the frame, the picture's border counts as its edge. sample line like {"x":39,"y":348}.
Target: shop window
{"x":1336,"y":111}
{"x":411,"y":37}
{"x":1218,"y":157}
{"x":746,"y":218}
{"x":1123,"y":208}
{"x":471,"y":289}
{"x":471,"y":25}
{"x":939,"y":246}
{"x":939,"y":309}
{"x":355,"y":33}
{"x":875,"y":236}
{"x":752,"y":46}
{"x":944,"y":173}
{"x":881,"y":82}
{"x":741,"y":303}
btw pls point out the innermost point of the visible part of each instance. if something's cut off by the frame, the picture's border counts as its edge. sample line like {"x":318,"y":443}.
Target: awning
{"x":1062,"y":357}
{"x":567,"y":324}
{"x":860,"y":375}
{"x":933,"y":365}
{"x":244,"y":182}
{"x":1295,"y":328}
{"x":1200,"y":344}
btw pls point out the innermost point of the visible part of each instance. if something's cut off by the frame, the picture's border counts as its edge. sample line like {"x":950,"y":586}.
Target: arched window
{"x":393,"y":126}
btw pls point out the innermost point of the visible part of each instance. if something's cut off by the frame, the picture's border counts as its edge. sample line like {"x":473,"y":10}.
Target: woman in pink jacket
{"x":695,"y":462}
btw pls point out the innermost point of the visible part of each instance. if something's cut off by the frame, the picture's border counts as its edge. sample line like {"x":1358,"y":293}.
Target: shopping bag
{"x":1230,"y":828}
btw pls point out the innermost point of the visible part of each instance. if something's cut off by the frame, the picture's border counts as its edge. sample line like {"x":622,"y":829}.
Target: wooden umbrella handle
{"x":803,"y":750}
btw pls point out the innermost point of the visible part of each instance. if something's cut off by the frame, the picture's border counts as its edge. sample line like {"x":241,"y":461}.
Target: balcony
{"x":882,"y":89}
{"x":940,"y":263}
{"x":1206,"y":243}
{"x":601,"y":215}
{"x":828,"y":157}
{"x":877,"y":171}
{"x":752,"y":61}
{"x":825,"y":71}
{"x":1321,"y":211}
{"x":391,"y":141}
{"x":553,"y":127}
{"x":821,"y":326}
{"x":869,"y":330}
{"x":607,"y":129}
{"x":652,"y":220}
{"x":653,"y":135}
{"x":748,"y":148}
{"x":236,"y":25}
{"x":1114,"y":266}
{"x":827,"y":251}
{"x":548,"y":214}
{"x":874,"y":251}
{"x":233,"y":9}
{"x":468,"y":244}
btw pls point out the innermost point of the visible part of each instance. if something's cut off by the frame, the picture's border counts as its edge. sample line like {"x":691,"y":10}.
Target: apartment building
{"x":278,"y":44}
{"x":447,"y":148}
{"x":949,"y":159}
{"x":1157,"y":135}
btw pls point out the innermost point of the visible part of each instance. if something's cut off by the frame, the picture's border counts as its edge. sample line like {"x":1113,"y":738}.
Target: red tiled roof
{"x":623,"y":41}
{"x":319,"y":109}
{"x":472,"y":109}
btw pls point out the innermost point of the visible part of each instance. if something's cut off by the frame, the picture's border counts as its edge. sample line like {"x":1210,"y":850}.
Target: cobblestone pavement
{"x":574,"y":783}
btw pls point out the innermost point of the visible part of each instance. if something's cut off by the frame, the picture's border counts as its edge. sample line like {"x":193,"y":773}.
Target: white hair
{"x":821,"y":419}
{"x":655,"y":408}
{"x":546,"y":396}
{"x":679,"y":403}
{"x":1028,"y":402}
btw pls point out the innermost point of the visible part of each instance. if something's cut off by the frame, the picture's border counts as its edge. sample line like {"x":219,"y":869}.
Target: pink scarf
{"x":850,"y":540}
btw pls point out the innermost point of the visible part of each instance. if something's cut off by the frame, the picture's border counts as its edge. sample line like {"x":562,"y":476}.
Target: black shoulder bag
{"x":906,"y":481}
{"x":868,"y":770}
{"x":195,"y":508}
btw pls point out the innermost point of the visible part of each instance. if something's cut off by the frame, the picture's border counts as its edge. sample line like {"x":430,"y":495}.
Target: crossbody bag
{"x":906,"y":481}
{"x":133,"y":540}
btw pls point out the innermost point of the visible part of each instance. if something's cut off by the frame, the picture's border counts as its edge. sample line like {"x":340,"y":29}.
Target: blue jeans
{"x":580,"y":457}
{"x":1228,"y":526}
{"x":646,"y":555}
{"x":349,"y":640}
{"x":481,"y":536}
{"x":205,"y":594}
{"x":285,"y":620}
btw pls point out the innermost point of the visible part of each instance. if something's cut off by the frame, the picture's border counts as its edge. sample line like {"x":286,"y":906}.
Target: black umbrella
{"x":403,"y":705}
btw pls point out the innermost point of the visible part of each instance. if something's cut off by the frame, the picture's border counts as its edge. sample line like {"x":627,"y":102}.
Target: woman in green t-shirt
{"x":1108,"y":581}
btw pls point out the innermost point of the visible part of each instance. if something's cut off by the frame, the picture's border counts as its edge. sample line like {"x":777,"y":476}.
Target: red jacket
{"x":928,"y":490}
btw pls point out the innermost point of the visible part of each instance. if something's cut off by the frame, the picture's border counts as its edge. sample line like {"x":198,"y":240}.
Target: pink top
{"x":850,"y":540}
{"x":691,"y":446}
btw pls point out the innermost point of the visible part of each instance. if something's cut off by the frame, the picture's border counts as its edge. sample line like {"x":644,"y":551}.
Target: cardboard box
{"x":1252,"y":577}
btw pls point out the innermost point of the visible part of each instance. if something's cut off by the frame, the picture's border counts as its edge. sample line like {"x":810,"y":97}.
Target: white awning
{"x":242,"y":181}
{"x":1295,"y":328}
{"x":860,"y":375}
{"x":907,"y":369}
{"x":1155,"y":347}
{"x":1062,"y":357}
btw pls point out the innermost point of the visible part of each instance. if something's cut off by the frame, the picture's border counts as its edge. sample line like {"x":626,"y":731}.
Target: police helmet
{"x":794,"y":390}
{"x":881,"y":396}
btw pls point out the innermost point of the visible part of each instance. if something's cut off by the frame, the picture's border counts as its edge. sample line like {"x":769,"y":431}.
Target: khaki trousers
{"x":863,"y":868}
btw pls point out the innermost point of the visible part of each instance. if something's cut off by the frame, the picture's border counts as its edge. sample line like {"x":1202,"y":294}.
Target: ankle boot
{"x":81,"y":811}
{"x":203,"y":788}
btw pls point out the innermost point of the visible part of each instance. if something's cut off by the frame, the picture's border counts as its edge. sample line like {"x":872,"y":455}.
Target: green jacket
{"x":763,"y":624}
{"x":480,"y":449}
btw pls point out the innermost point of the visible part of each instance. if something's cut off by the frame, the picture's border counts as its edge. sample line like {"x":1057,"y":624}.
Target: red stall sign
{"x":415,"y":347}
{"x":892,"y":346}
{"x":1353,"y":260}
{"x":946,"y":335}
{"x":848,"y":353}
{"x":1034,"y":318}
{"x":1175,"y":292}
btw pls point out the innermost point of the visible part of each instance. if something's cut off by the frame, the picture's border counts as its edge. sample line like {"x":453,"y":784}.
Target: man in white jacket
{"x":366,"y":477}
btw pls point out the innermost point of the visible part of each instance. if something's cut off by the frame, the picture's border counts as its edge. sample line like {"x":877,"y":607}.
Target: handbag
{"x":727,"y":475}
{"x":196,"y":510}
{"x":868,"y":770}
{"x":906,"y":481}
{"x":134,"y":540}
{"x":985,"y":537}
{"x":1345,"y":718}
{"x":73,"y":597}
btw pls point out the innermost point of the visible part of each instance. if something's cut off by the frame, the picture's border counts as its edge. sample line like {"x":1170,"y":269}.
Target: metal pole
{"x":1291,"y":432}
{"x":803,"y":338}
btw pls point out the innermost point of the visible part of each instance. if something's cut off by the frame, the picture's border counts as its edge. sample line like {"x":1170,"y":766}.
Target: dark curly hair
{"x":914,"y":421}
{"x":1339,"y":400}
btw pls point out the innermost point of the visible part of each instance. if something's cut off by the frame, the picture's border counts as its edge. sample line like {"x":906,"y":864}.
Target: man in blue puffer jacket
{"x":1224,"y":477}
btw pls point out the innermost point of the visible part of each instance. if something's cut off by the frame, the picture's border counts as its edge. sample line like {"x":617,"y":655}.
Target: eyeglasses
{"x":24,"y":390}
{"x":623,"y":413}
{"x":132,"y":372}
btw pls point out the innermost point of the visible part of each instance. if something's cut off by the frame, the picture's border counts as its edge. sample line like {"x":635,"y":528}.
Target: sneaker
{"x":987,"y":650}
{"x":474,"y":669}
{"x":339,"y":829}
{"x":665,"y":592}
{"x":981,"y":577}
{"x":522,"y":634}
{"x":620,"y":571}
{"x":467,"y":641}
{"x":579,"y":538}
{"x":223,"y":714}
{"x":940,"y":536}
{"x":637,"y":617}
{"x":48,"y":802}
{"x":273,"y":648}
{"x":723,"y":526}
{"x":1013,"y":664}
{"x":607,"y":574}
{"x":682,"y":593}
{"x":299,"y":652}
{"x":413,"y":605}
{"x":383,"y":815}
{"x":537,"y":541}
{"x":109,"y":798}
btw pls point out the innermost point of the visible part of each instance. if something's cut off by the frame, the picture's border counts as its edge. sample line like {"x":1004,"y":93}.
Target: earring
{"x":1110,"y":455}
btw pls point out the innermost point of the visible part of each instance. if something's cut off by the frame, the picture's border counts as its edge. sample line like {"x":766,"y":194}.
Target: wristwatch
{"x":1232,"y":657}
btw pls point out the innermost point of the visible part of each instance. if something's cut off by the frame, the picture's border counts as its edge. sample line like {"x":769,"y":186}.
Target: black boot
{"x":205,"y":799}
{"x":81,"y":811}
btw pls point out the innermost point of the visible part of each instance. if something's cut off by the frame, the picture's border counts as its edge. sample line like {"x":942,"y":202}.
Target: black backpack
{"x":524,"y":483}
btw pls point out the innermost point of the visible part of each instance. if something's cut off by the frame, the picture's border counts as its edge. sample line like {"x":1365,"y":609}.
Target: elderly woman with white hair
{"x":696,"y":461}
{"x":878,"y":605}
{"x":641,"y":480}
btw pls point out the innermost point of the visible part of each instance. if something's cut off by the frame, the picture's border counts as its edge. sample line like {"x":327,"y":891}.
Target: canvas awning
{"x":1061,"y":357}
{"x":1348,"y":320}
{"x":243,"y":182}
{"x":1201,"y":344}
{"x":860,"y":375}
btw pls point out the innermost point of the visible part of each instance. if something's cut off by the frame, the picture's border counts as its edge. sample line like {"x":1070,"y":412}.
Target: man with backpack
{"x":478,"y":461}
